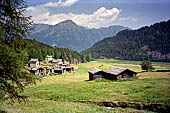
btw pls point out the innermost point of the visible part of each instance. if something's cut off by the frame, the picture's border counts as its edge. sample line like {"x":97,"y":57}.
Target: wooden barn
{"x":38,"y":71}
{"x":49,"y":70}
{"x":59,"y":70}
{"x":119,"y":73}
{"x":69,"y":69}
{"x":113,"y":73}
{"x":95,"y":73}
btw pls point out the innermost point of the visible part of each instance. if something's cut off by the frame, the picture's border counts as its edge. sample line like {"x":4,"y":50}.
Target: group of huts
{"x":113,"y":73}
{"x":56,"y":66}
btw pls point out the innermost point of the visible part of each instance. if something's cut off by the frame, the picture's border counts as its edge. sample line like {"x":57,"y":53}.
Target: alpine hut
{"x":119,"y":73}
{"x":95,"y":73}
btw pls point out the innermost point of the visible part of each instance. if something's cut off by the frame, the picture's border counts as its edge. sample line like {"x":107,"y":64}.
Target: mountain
{"x":147,"y":43}
{"x":69,"y":35}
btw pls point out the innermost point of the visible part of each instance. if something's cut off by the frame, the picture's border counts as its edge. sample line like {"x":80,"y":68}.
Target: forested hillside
{"x":69,"y":35}
{"x":146,"y":43}
{"x":39,"y":50}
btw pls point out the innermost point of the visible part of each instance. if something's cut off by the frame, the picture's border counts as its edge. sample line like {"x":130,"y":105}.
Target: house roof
{"x":34,"y":60}
{"x":115,"y":70}
{"x":49,"y":56}
{"x":48,"y":67}
{"x":54,"y":61}
{"x":94,"y":70}
{"x":56,"y":68}
{"x":34,"y":69}
{"x":68,"y":67}
{"x":59,"y":60}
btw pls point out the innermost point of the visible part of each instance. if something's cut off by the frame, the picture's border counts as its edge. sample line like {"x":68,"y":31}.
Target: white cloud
{"x":101,"y":17}
{"x":67,"y":3}
{"x":128,"y":18}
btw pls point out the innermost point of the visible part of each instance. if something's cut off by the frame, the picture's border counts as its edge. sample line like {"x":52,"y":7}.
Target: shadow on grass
{"x":162,"y":70}
{"x":1,"y":111}
{"x":107,"y":80}
{"x":155,"y":71}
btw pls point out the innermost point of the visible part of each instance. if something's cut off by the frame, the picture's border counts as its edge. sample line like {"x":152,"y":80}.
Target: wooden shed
{"x":38,"y":71}
{"x":59,"y":70}
{"x":69,"y":69}
{"x":119,"y":73}
{"x":95,"y":73}
{"x":49,"y":70}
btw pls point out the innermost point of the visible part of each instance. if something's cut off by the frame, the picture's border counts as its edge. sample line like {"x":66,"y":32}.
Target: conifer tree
{"x":88,"y":57}
{"x":13,"y":26}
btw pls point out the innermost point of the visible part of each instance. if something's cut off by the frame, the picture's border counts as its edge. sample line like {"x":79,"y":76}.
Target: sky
{"x":99,"y":13}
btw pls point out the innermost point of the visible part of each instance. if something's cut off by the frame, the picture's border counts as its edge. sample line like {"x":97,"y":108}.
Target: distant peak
{"x":68,"y":22}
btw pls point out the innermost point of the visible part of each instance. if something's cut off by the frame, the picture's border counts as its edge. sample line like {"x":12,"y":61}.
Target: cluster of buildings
{"x":57,"y":66}
{"x":51,"y":66}
{"x":113,"y":73}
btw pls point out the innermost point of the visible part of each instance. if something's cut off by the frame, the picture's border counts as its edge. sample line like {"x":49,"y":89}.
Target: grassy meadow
{"x":63,"y":93}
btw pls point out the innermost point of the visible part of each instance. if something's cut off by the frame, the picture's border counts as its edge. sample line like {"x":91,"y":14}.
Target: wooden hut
{"x":69,"y":69}
{"x":54,"y":61}
{"x":38,"y":71}
{"x":95,"y":73}
{"x":119,"y":73}
{"x":59,"y":70}
{"x":60,"y":61}
{"x":49,"y":70}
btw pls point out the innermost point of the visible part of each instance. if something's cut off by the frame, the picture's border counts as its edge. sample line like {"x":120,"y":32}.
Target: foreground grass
{"x":63,"y":93}
{"x":46,"y":106}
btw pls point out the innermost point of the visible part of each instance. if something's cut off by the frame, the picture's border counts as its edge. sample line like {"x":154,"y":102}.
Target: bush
{"x":147,"y":65}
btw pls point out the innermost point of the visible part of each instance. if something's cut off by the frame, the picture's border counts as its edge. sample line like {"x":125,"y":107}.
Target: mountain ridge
{"x":68,"y":34}
{"x":145,"y":43}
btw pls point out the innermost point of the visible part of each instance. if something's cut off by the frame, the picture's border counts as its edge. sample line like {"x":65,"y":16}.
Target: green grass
{"x":63,"y":93}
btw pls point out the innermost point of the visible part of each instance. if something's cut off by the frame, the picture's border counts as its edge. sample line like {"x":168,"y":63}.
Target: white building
{"x":34,"y":62}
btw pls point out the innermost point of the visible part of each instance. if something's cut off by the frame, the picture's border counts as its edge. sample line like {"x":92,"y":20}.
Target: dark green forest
{"x":40,"y":50}
{"x":147,"y":43}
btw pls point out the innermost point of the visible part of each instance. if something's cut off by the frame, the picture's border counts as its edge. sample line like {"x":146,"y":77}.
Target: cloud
{"x":128,"y":18}
{"x":67,"y":3}
{"x":101,"y":17}
{"x":39,"y":9}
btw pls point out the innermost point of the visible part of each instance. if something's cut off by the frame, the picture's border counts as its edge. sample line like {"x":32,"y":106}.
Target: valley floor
{"x":63,"y":93}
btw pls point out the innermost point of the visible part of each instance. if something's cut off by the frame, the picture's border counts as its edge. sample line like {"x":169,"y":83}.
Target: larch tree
{"x":13,"y":27}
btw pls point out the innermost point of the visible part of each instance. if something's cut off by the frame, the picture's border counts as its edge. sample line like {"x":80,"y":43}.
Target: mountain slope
{"x":40,"y":50}
{"x":69,"y":35}
{"x":146,"y":43}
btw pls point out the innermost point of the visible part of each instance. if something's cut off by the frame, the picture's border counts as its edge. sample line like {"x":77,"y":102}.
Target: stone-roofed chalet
{"x":113,"y":73}
{"x":119,"y":73}
{"x":95,"y":73}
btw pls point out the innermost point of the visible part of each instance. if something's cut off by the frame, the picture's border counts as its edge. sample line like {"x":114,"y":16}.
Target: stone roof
{"x":48,"y":67}
{"x":34,"y":60}
{"x":57,"y":68}
{"x":94,"y":70}
{"x":54,"y":61}
{"x":49,"y":56}
{"x":115,"y":70}
{"x":59,"y":60}
{"x":34,"y":69}
{"x":68,"y":67}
